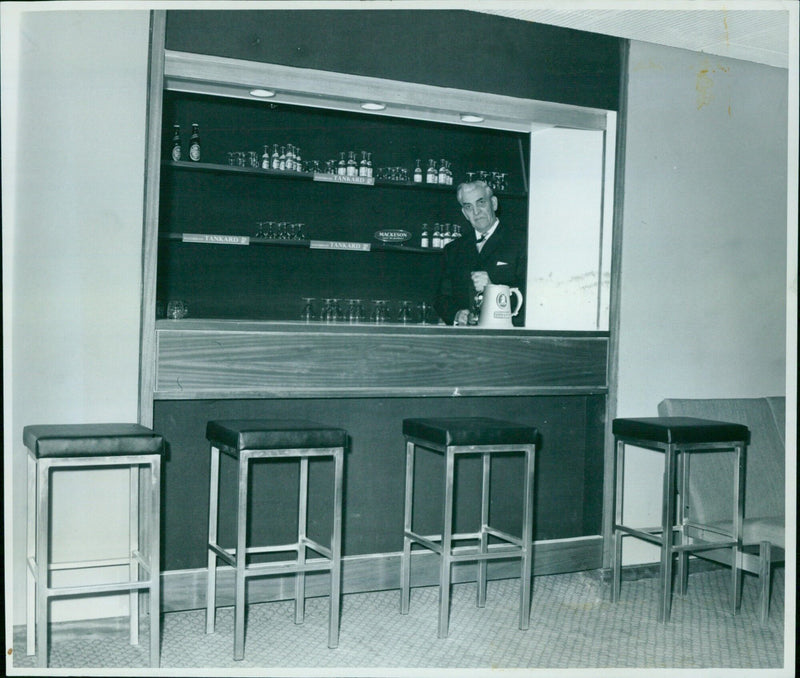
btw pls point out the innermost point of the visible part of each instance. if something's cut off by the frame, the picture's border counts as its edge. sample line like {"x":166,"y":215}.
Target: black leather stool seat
{"x":273,"y":434}
{"x":91,"y":440}
{"x":677,"y":430}
{"x":469,"y":431}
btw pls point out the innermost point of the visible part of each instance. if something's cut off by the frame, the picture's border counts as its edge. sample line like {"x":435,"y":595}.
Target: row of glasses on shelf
{"x":335,"y":310}
{"x":498,"y":181}
{"x":400,"y":174}
{"x":281,"y":230}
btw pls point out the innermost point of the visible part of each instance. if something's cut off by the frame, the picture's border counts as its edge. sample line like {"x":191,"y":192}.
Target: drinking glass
{"x":355,"y":311}
{"x":405,"y":314}
{"x":308,"y":314}
{"x":424,"y":312}
{"x":177,"y":309}
{"x":475,"y":308}
{"x":327,"y":310}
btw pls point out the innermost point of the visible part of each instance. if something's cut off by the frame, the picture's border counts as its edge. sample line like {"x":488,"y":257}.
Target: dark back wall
{"x":459,"y":49}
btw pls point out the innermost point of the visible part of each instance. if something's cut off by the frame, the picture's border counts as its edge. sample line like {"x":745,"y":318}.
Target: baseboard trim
{"x":652,"y":570}
{"x":186,"y":589}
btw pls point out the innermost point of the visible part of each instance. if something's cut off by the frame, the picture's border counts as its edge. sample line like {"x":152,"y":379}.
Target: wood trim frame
{"x":152,"y":183}
{"x":222,"y":76}
{"x":614,"y":306}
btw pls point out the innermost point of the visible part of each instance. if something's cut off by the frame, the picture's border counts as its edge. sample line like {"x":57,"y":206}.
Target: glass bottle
{"x":369,"y":164}
{"x":282,"y":159}
{"x":289,"y":158}
{"x":424,"y":240}
{"x":352,"y":166}
{"x":418,"y":176}
{"x":298,"y":160}
{"x":194,"y":143}
{"x":275,"y":159}
{"x":176,"y":143}
{"x":431,"y":176}
{"x":442,"y":178}
{"x":437,"y":237}
{"x":341,"y":169}
{"x":362,"y":166}
{"x":446,"y":237}
{"x":265,"y":158}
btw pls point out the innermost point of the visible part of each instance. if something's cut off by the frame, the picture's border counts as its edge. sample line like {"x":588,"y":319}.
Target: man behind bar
{"x":486,"y":254}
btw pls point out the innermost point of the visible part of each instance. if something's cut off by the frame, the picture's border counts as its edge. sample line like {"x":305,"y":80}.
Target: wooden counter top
{"x":211,"y":359}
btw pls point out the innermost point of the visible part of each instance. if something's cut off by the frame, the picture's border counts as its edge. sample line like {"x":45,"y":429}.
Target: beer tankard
{"x":177,"y":309}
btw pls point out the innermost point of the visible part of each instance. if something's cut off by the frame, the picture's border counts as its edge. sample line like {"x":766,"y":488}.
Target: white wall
{"x":704,"y":246}
{"x":74,"y":235}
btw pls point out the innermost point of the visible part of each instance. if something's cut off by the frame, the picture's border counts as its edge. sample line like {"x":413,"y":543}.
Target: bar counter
{"x":367,"y":378}
{"x":250,"y":359}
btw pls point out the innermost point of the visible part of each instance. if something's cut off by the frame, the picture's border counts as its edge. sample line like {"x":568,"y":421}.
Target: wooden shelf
{"x":309,"y":176}
{"x":305,"y":244}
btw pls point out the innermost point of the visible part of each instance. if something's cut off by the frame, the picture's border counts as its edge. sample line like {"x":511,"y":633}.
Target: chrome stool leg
{"x":336,"y":551}
{"x":405,"y":560}
{"x":134,"y":529}
{"x":42,"y":560}
{"x":447,"y":546}
{"x":241,"y":558}
{"x":154,"y":547}
{"x":484,"y":536}
{"x":667,"y":522}
{"x":213,"y":521}
{"x":527,"y":539}
{"x":302,"y":517}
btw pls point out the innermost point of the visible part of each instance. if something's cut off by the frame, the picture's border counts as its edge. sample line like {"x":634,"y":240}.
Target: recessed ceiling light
{"x":262,"y":93}
{"x":468,"y":117}
{"x":372,"y":106}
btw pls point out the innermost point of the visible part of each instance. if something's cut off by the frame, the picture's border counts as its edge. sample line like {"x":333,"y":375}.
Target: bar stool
{"x":92,"y":446}
{"x":678,"y":438}
{"x":250,"y":439}
{"x":452,"y":437}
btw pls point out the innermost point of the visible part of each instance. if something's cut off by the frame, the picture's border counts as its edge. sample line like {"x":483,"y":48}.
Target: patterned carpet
{"x":573,"y":625}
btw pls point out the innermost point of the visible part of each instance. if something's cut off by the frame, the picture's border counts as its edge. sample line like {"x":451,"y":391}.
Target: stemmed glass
{"x":355,"y":312}
{"x":308,"y":314}
{"x":424,"y":310}
{"x":380,"y":311}
{"x":405,"y":315}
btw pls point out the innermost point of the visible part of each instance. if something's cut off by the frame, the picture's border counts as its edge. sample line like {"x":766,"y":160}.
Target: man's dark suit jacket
{"x":503,"y":257}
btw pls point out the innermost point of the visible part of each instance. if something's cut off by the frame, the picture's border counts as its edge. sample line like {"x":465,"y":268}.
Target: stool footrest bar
{"x":316,"y":546}
{"x":60,"y":591}
{"x":505,"y":536}
{"x":425,"y":541}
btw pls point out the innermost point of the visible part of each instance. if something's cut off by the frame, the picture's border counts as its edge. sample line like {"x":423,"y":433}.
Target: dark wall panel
{"x":566,"y":489}
{"x":460,"y":49}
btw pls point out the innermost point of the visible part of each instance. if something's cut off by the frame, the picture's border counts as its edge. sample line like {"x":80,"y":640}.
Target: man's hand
{"x":480,"y":279}
{"x":462,"y":317}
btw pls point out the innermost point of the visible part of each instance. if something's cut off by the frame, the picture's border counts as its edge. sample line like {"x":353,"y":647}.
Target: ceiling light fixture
{"x":262,"y":93}
{"x":373,"y":106}
{"x":469,"y":117}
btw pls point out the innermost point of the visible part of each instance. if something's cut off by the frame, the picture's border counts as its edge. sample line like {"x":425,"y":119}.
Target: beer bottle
{"x":176,"y":143}
{"x":194,"y":144}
